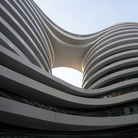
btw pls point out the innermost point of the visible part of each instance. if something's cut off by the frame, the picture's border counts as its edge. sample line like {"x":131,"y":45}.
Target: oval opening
{"x":69,"y":75}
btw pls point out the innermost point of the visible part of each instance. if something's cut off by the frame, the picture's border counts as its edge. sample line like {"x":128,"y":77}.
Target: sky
{"x":86,"y":17}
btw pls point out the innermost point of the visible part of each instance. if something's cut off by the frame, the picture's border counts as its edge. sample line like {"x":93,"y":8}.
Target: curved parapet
{"x":113,"y":54}
{"x":23,"y":33}
{"x":43,"y":119}
{"x":31,"y":97}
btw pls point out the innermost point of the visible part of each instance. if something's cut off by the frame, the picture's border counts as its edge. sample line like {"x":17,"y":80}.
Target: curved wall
{"x":32,"y":44}
{"x":23,"y":32}
{"x":108,"y":59}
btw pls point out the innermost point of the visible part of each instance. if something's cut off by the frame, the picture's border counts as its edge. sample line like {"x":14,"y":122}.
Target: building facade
{"x":32,"y":99}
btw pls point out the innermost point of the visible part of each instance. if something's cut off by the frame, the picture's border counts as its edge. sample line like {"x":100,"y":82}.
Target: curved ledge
{"x":32,"y":44}
{"x":21,"y":115}
{"x":45,"y":94}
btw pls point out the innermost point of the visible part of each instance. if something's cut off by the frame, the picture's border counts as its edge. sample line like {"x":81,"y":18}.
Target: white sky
{"x":86,"y":17}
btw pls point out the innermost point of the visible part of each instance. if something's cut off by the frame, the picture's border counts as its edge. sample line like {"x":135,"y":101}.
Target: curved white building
{"x":33,"y":101}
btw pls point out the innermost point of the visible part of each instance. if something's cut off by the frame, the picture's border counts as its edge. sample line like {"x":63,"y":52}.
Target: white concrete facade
{"x":32,"y":97}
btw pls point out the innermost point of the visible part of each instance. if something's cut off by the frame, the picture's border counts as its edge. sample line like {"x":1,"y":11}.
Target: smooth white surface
{"x":86,"y":17}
